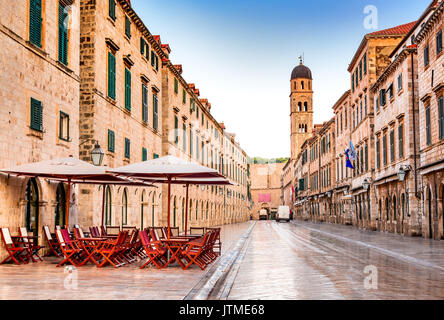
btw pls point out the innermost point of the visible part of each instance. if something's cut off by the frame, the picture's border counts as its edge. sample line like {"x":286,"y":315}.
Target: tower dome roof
{"x":301,"y":71}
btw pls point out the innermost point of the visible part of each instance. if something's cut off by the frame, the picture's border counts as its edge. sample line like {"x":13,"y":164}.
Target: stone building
{"x":266,"y":187}
{"x":39,"y":117}
{"x":431,"y":121}
{"x":120,"y":108}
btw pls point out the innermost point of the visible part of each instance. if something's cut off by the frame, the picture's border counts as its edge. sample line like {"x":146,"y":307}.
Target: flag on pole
{"x":352,"y":150}
{"x":348,"y":163}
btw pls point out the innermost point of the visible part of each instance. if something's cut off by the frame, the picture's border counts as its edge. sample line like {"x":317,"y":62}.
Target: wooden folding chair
{"x":194,"y":250}
{"x":53,"y":245}
{"x":154,"y":250}
{"x":15,"y":253}
{"x":103,"y":230}
{"x":217,"y":244}
{"x":33,"y":248}
{"x":70,"y":252}
{"x":111,"y":249}
{"x":197,"y":230}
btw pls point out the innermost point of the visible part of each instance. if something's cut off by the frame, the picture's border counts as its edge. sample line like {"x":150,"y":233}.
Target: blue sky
{"x":240,"y":55}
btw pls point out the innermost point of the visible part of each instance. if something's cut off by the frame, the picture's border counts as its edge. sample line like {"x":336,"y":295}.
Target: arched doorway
{"x":32,"y":207}
{"x":108,"y":206}
{"x":60,"y":208}
{"x":124,"y":207}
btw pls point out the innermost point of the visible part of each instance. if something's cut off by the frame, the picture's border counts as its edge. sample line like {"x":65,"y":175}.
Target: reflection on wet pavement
{"x":322,"y":261}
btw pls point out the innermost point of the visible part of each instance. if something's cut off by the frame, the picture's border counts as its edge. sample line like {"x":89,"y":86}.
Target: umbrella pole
{"x":103,"y":205}
{"x":68,"y":198}
{"x":186,"y":210}
{"x":169,"y":204}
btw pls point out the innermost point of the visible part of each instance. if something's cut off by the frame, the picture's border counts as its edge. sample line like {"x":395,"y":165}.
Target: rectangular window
{"x":184,"y":138}
{"x":157,"y":63}
{"x":153,"y":58}
{"x":176,"y":86}
{"x":392,"y":146}
{"x":112,"y":9}
{"x":439,"y":42}
{"x":191,"y":142}
{"x":111,"y":141}
{"x":441,"y":117}
{"x":144,"y":154}
{"x":127,"y":148}
{"x":356,"y":78}
{"x":176,"y":130}
{"x":111,"y":76}
{"x":35,"y":22}
{"x":378,"y":154}
{"x":360,"y":70}
{"x":426,"y":56}
{"x":353,"y":82}
{"x":401,"y":141}
{"x":384,"y":149}
{"x":428,"y":127}
{"x":366,"y":157}
{"x":64,"y":126}
{"x":144,"y":48}
{"x":63,"y":34}
{"x":390,"y":91}
{"x":36,"y":115}
{"x":382,"y":97}
{"x":144,"y":103}
{"x":365,"y":63}
{"x":155,"y":156}
{"x":377,"y":104}
{"x":197,"y":147}
{"x":155,"y":112}
{"x":400,"y":82}
{"x":184,"y":96}
{"x":127,"y":26}
{"x":127,"y":89}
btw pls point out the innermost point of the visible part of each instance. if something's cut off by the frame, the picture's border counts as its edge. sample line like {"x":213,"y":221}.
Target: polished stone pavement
{"x":305,"y":260}
{"x":45,"y":281}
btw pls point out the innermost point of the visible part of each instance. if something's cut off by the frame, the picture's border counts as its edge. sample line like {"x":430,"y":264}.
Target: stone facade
{"x":31,"y":70}
{"x":266,"y":180}
{"x":100,"y":77}
{"x":394,"y":115}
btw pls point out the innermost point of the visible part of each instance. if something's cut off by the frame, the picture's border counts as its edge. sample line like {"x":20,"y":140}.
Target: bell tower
{"x":301,"y":107}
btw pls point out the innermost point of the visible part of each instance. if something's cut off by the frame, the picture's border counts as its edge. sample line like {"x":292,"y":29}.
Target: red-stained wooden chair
{"x":94,"y":231}
{"x":127,"y":252}
{"x":197,"y":231}
{"x":31,"y":245}
{"x":71,"y":253}
{"x":194,"y":250}
{"x":103,"y":230}
{"x":154,"y":250}
{"x":217,"y":246}
{"x":53,"y":245}
{"x":15,"y":253}
{"x":111,"y":249}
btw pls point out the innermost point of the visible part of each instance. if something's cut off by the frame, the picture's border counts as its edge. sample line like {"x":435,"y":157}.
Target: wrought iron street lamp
{"x":366,"y":184}
{"x":97,"y":155}
{"x":401,"y":174}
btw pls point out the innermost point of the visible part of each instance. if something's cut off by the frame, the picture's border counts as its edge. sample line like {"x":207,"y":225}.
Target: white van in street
{"x":283,"y":213}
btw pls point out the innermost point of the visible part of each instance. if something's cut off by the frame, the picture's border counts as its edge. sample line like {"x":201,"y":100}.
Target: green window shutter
{"x":428,"y":128}
{"x":36,"y":115}
{"x":112,"y":9}
{"x":63,"y":35}
{"x":142,"y":45}
{"x":184,"y":142}
{"x":127,"y":89}
{"x":127,"y":148}
{"x":153,"y":61}
{"x":155,"y":156}
{"x":157,"y":63}
{"x":111,"y":76}
{"x":365,"y":63}
{"x":401,"y":141}
{"x":176,"y":129}
{"x":176,"y":86}
{"x":155,"y":110}
{"x":144,"y":103}
{"x":111,"y":141}
{"x":35,"y":22}
{"x":127,"y":26}
{"x":144,"y":154}
{"x":384,"y":151}
{"x":441,"y":117}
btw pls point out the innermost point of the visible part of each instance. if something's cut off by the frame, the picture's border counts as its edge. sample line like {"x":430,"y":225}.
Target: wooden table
{"x":30,"y":245}
{"x":91,"y":245}
{"x":175,"y":246}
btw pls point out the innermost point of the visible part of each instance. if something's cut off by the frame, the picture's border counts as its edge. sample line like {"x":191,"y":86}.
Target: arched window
{"x":305,"y":106}
{"x":32,"y":207}
{"x":108,"y":206}
{"x":60,"y":209}
{"x":207,"y":211}
{"x":306,"y":129}
{"x":302,"y":85}
{"x":299,"y":106}
{"x":125,"y":207}
{"x":387,"y":210}
{"x":395,"y":213}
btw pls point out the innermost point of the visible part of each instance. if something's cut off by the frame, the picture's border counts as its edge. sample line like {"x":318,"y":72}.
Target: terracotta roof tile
{"x":399,"y":30}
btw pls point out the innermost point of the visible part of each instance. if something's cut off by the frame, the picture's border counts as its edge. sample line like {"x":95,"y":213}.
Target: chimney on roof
{"x":192,"y":86}
{"x":178,"y":68}
{"x":166,"y":49}
{"x":222,"y":125}
{"x":157,"y":39}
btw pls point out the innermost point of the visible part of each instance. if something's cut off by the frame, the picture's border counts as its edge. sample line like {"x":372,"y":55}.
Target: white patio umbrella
{"x":171,"y":170}
{"x":70,"y":170}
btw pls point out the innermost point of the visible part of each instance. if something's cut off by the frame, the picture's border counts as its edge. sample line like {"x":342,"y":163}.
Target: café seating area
{"x":117,"y":246}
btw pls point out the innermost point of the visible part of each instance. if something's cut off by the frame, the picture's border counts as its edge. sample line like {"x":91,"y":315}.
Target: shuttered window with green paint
{"x":112,"y":9}
{"x":155,"y":156}
{"x":401,"y":141}
{"x":35,"y":22}
{"x":111,"y":76}
{"x":127,"y":26}
{"x":428,"y":127}
{"x":127,"y":148}
{"x":111,"y":141}
{"x":127,"y":89}
{"x":176,"y":130}
{"x":36,"y":115}
{"x":144,"y":154}
{"x":155,"y":112}
{"x":63,"y":34}
{"x":176,"y":86}
{"x":144,"y":103}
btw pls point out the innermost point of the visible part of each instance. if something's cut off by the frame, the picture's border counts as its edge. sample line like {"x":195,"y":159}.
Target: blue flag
{"x":352,"y":150}
{"x":348,"y":163}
